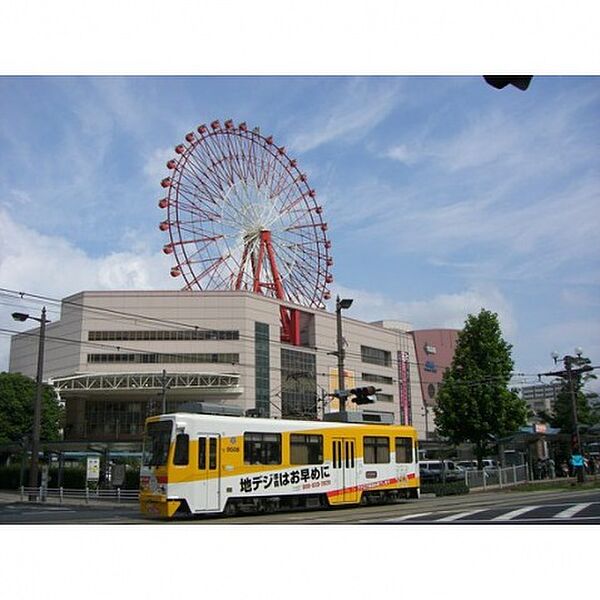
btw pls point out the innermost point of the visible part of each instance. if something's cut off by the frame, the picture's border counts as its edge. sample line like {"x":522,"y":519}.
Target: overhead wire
{"x":36,"y":298}
{"x":139,"y":317}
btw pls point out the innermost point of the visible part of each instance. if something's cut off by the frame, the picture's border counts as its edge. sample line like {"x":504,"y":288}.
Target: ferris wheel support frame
{"x":290,"y":317}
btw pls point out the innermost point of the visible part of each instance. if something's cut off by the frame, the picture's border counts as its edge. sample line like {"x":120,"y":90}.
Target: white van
{"x":471,"y":465}
{"x":431,"y":471}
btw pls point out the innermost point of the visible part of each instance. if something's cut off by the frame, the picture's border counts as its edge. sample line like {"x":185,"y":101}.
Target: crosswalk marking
{"x":572,"y":510}
{"x":514,"y":513}
{"x":406,"y":517}
{"x":460,"y":515}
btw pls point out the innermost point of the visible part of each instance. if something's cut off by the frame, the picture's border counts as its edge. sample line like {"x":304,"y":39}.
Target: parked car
{"x":431,"y":471}
{"x":471,"y":465}
{"x":467,"y":465}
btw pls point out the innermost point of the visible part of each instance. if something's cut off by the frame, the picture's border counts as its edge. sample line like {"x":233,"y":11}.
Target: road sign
{"x":93,"y":469}
{"x":577,"y":460}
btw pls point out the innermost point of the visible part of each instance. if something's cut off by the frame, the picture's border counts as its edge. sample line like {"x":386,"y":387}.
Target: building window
{"x":376,"y":356}
{"x":384,"y":397}
{"x":376,"y":449}
{"x":262,"y":369}
{"x":298,"y":385}
{"x":116,"y":419}
{"x":262,"y":448}
{"x":404,"y":452}
{"x":372,"y":377}
{"x":166,"y":335}
{"x":158,"y":358}
{"x":306,"y":449}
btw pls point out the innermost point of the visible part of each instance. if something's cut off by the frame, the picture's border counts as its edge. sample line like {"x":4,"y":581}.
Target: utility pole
{"x":164,"y":391}
{"x":568,"y":375}
{"x":568,"y":361}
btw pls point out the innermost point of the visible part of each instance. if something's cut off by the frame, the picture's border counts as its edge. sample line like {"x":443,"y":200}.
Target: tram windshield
{"x":156,"y":443}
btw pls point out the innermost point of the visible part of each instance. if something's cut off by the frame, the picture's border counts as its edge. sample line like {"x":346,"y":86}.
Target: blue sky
{"x":442,"y":194}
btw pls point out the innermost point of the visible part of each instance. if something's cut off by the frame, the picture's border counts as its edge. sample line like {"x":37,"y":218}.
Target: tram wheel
{"x":230,"y":509}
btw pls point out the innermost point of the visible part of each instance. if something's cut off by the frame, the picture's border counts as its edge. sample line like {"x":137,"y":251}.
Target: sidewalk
{"x":12,"y":496}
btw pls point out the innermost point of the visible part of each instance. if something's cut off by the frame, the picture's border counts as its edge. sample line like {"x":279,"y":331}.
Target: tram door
{"x":207,"y":486}
{"x":344,"y":468}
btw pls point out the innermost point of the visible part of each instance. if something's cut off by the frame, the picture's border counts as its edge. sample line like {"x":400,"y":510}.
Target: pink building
{"x":434,"y":350}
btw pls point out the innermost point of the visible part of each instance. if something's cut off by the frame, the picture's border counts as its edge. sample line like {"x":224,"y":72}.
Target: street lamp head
{"x":579,"y":350}
{"x":17,"y":316}
{"x":346,"y":302}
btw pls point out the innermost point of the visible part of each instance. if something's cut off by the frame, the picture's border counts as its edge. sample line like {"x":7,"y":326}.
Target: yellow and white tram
{"x":202,"y":463}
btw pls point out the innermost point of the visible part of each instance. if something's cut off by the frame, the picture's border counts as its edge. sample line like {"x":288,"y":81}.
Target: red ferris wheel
{"x":241,"y":216}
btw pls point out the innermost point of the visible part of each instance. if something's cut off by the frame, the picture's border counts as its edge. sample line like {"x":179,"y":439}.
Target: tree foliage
{"x":17,"y":397}
{"x":474,"y":403}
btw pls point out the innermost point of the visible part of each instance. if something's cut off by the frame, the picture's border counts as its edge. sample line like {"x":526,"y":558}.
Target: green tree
{"x":17,"y":396}
{"x":474,"y":403}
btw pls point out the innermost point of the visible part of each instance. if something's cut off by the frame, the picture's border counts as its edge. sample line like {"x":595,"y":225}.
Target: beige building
{"x":541,"y":397}
{"x":115,"y":357}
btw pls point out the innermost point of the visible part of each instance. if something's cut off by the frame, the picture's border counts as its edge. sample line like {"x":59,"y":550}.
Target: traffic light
{"x":501,"y":81}
{"x":364,"y":395}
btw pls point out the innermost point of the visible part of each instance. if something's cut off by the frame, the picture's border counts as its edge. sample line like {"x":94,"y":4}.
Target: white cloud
{"x":363,"y":104}
{"x":443,"y":311}
{"x":530,"y":143}
{"x":155,"y":166}
{"x":578,"y":298}
{"x":402,"y":153}
{"x":54,"y":267}
{"x":489,"y":234}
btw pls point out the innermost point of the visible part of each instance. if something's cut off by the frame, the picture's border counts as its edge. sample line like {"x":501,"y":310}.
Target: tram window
{"x":156,"y":443}
{"x":404,"y":452}
{"x":262,"y":448}
{"x":376,"y":449}
{"x":212,"y":453}
{"x":202,"y":453}
{"x":306,"y":449}
{"x":182,"y":447}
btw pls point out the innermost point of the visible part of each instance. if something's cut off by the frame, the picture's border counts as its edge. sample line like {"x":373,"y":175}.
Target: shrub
{"x":453,"y":488}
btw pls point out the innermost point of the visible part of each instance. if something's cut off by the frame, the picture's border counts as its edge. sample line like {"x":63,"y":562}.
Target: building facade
{"x":434,"y":349}
{"x":541,"y":397}
{"x":116,"y":357}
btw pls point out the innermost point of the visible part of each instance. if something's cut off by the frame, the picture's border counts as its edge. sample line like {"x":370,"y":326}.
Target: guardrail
{"x":41,"y":494}
{"x":497,"y":478}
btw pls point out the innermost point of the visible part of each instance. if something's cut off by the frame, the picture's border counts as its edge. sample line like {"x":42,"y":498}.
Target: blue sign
{"x":430,"y":366}
{"x":577,"y":460}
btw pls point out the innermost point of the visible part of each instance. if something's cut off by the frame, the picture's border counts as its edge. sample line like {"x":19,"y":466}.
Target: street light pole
{"x":339,"y":305}
{"x":37,"y":406}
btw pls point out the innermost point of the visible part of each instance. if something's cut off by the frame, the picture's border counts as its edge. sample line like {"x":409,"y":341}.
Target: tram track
{"x":357,"y":515}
